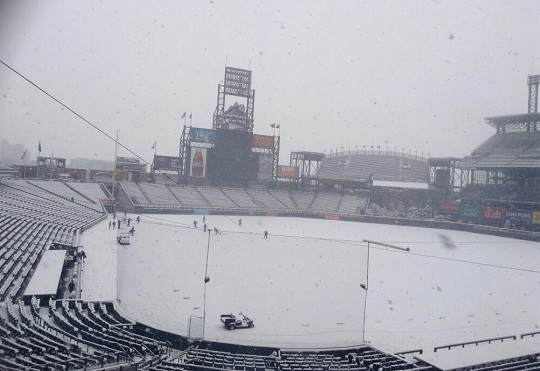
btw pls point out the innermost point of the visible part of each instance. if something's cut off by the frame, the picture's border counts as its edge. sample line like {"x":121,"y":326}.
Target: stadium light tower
{"x":365,"y":286}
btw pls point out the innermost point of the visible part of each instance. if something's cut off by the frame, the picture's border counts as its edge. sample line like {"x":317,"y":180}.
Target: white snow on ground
{"x":303,"y":289}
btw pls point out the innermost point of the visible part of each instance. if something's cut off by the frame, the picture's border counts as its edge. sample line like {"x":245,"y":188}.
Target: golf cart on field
{"x":231,"y":321}
{"x":123,"y":238}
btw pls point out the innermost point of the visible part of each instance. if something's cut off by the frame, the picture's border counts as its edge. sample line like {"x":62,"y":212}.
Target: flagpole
{"x":114,"y":172}
{"x":37,"y":162}
{"x":24,"y":168}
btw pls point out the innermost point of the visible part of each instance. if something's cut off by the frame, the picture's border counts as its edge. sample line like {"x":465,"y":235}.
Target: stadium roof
{"x":512,"y":119}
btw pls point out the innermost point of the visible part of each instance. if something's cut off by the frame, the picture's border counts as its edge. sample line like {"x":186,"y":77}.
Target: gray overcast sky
{"x":418,"y":75}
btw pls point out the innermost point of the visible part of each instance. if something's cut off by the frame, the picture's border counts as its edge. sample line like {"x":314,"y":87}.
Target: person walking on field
{"x":240,"y":222}
{"x":110,"y":223}
{"x":265,"y":234}
{"x":194,"y":224}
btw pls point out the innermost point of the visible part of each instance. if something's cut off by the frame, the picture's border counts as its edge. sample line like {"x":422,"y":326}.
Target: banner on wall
{"x":519,"y":216}
{"x":536,"y":217}
{"x":167,"y":163}
{"x":469,"y":211}
{"x":202,"y":135}
{"x":493,"y":213}
{"x":198,"y":162}
{"x":265,"y":166}
{"x":449,"y":207}
{"x":262,"y":141}
{"x":288,"y":171}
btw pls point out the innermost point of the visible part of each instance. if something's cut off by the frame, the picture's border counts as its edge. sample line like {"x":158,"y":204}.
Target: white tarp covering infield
{"x":303,"y":289}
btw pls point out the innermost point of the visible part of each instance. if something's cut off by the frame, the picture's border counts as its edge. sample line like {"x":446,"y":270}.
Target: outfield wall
{"x":422,"y":223}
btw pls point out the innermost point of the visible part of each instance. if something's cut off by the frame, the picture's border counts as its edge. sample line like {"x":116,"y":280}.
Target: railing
{"x":531,"y":334}
{"x":462,"y":345}
{"x":413,"y":351}
{"x":381,"y":152}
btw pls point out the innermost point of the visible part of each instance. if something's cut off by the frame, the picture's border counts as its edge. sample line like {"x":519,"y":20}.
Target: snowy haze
{"x":302,"y":284}
{"x":418,"y":75}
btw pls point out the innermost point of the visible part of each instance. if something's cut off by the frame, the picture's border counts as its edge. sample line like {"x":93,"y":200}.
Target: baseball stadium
{"x":228,"y":257}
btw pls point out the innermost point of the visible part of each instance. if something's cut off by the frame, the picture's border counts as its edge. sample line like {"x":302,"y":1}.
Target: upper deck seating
{"x":360,"y":166}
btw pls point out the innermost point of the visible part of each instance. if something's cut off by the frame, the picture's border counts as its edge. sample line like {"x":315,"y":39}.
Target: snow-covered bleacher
{"x":241,"y":198}
{"x":267,"y":200}
{"x":355,"y":359}
{"x":68,"y":192}
{"x":302,"y":200}
{"x":44,"y":205}
{"x":189,"y":197}
{"x":31,"y":218}
{"x":134,"y":193}
{"x":350,"y":204}
{"x":284,"y":197}
{"x":93,"y":191}
{"x":326,"y":202}
{"x":216,"y":197}
{"x":518,"y":149}
{"x":360,"y":166}
{"x":158,"y":194}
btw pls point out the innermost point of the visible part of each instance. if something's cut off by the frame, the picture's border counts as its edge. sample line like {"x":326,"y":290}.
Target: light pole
{"x":366,"y":285}
{"x":206,"y":280}
{"x":114,"y":172}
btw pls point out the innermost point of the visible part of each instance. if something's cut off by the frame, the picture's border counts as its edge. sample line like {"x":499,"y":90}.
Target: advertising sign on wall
{"x":202,"y":135}
{"x":262,"y":141}
{"x":492,"y":213}
{"x":536,"y":217}
{"x":449,"y":207}
{"x":469,"y":212}
{"x":265,"y":167}
{"x":288,"y":171}
{"x":198,"y":162}
{"x":167,"y":163}
{"x":519,"y":216}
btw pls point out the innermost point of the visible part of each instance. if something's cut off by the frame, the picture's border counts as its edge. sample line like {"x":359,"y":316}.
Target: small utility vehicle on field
{"x":123,"y":238}
{"x":231,"y":321}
